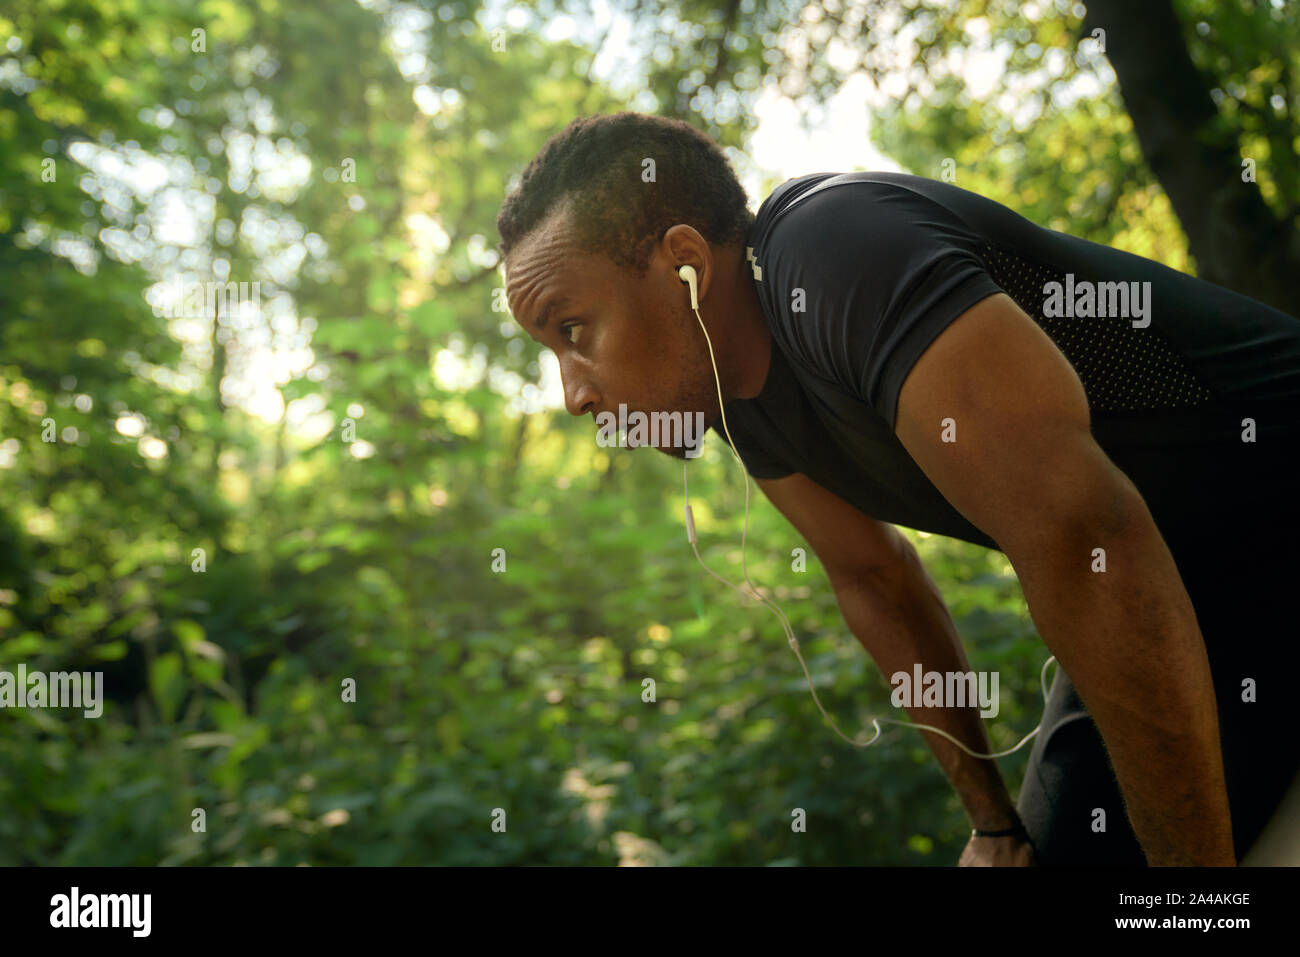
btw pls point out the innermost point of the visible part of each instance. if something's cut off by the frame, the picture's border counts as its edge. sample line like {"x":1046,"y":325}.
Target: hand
{"x":1011,"y":851}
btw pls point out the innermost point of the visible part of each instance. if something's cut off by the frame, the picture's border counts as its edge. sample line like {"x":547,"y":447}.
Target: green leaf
{"x":166,"y":685}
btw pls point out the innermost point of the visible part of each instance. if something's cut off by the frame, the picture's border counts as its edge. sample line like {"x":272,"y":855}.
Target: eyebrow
{"x":541,"y":320}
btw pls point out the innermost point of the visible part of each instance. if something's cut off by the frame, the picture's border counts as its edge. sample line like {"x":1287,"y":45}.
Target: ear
{"x":683,"y":245}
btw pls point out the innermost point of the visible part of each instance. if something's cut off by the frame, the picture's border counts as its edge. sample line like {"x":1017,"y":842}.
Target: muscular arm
{"x":906,"y":624}
{"x":896,"y":612}
{"x":1026,"y":470}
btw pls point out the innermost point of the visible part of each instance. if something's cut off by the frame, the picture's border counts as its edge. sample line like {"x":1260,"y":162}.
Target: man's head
{"x":592,"y":238}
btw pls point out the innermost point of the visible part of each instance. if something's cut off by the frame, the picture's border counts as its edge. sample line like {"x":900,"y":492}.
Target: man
{"x":896,"y":350}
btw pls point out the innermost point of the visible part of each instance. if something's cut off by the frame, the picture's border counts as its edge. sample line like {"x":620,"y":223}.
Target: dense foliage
{"x":234,"y":515}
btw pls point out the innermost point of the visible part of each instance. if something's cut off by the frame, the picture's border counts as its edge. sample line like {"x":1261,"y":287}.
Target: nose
{"x":579,"y":397}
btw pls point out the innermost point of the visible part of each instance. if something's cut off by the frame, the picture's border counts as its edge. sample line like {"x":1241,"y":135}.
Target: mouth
{"x":678,"y":434}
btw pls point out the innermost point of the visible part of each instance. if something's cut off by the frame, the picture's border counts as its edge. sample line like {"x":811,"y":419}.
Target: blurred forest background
{"x":230,"y":515}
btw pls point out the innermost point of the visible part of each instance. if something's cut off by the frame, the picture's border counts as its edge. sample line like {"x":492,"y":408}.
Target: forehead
{"x":536,"y":260}
{"x":547,"y":266}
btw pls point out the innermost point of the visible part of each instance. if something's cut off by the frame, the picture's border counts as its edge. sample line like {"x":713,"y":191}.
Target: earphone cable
{"x":785,"y":624}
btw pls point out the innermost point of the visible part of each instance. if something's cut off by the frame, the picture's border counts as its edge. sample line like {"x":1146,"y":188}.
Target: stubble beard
{"x":700,"y":396}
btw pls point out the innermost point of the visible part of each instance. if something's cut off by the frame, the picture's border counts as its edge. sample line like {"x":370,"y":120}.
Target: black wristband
{"x":1019,"y":829}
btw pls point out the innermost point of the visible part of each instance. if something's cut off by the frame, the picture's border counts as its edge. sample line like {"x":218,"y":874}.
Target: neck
{"x":746,"y":339}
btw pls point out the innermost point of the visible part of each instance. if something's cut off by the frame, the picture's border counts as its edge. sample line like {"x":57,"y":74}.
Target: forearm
{"x":1129,"y":640}
{"x":902,"y":622}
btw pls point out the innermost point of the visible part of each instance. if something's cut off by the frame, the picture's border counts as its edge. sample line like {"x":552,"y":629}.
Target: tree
{"x":1207,"y":87}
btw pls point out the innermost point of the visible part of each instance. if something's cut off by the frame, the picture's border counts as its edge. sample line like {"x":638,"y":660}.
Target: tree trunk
{"x":1236,"y":239}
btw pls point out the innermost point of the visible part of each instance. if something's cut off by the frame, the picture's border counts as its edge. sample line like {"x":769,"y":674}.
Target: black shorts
{"x":1239,"y":573}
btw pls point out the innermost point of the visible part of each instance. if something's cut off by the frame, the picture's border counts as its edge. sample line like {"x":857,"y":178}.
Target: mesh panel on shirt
{"x":1122,"y":368}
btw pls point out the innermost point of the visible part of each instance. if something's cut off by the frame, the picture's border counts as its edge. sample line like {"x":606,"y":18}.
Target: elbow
{"x":881,"y":577}
{"x":1089,"y":519}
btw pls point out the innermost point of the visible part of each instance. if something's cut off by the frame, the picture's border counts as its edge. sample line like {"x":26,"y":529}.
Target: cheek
{"x":640,"y":349}
{"x":655,"y":353}
{"x":675,"y":336}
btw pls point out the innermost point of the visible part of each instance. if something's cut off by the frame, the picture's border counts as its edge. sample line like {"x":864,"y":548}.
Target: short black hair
{"x":593,"y":167}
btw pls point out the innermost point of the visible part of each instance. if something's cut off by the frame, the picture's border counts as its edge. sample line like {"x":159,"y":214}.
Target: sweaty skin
{"x":621,"y":338}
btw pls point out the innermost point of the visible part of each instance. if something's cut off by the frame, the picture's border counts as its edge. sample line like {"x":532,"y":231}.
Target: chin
{"x":679,"y":451}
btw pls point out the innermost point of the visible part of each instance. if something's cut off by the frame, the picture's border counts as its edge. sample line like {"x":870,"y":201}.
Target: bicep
{"x":996,"y":417}
{"x":853,"y":547}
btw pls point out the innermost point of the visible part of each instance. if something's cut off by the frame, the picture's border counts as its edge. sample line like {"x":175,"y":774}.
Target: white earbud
{"x":688,"y":276}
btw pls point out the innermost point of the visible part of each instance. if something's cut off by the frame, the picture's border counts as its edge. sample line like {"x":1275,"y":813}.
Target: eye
{"x":564,"y":331}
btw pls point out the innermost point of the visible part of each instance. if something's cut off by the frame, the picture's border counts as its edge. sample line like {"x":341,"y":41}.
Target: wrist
{"x":1013,"y":835}
{"x":1015,"y":830}
{"x":983,"y":794}
{"x":992,"y":811}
